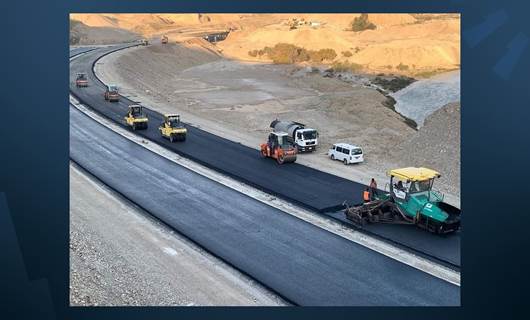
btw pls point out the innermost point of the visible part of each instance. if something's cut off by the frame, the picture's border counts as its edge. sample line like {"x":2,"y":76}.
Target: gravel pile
{"x":436,"y":145}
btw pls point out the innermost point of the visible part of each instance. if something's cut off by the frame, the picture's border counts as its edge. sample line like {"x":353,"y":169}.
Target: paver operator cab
{"x":136,"y":118}
{"x":172,"y":128}
{"x":411,"y":200}
{"x":111,"y":93}
{"x":279,"y":146}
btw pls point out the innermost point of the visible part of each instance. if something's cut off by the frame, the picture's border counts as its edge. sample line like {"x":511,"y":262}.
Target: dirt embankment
{"x":238,"y":100}
{"x":435,"y":145}
{"x":81,"y":34}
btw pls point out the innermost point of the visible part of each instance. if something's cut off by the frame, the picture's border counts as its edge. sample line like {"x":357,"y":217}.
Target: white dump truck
{"x":305,"y":139}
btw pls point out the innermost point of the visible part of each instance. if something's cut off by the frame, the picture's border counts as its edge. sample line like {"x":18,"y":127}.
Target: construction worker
{"x":366,"y":195}
{"x":373,"y":187}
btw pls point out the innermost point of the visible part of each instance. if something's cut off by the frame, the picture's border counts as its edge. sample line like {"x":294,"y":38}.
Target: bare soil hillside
{"x":81,"y":34}
{"x":411,"y":44}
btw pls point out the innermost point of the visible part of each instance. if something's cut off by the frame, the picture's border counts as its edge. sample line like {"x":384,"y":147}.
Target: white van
{"x":346,"y":153}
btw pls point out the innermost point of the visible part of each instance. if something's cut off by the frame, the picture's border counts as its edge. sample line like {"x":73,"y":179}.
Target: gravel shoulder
{"x":238,"y":100}
{"x":120,"y":256}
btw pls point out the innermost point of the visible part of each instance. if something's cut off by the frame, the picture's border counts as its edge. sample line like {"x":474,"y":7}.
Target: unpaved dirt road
{"x":120,"y":256}
{"x":238,"y":100}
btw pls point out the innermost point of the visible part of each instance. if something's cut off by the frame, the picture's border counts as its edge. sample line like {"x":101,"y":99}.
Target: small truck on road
{"x":111,"y":93}
{"x":81,"y":80}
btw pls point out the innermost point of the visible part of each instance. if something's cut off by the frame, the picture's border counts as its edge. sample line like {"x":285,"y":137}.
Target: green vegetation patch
{"x":289,"y":53}
{"x":362,"y":23}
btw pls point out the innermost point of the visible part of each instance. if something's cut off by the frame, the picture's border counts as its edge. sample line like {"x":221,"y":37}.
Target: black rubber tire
{"x":332,"y":157}
{"x":345,"y":161}
{"x":171,"y":139}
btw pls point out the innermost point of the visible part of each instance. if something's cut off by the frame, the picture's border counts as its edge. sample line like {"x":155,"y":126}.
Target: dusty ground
{"x":238,"y":100}
{"x":120,"y":256}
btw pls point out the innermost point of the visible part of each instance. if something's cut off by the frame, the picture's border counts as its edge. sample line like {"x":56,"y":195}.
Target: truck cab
{"x":306,"y":139}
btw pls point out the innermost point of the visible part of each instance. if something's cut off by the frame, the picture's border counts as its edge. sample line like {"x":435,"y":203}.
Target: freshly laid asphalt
{"x":303,"y":263}
{"x":313,"y":189}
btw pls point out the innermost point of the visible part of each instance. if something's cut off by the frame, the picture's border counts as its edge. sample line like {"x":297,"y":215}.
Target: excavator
{"x":410,"y":200}
{"x":279,"y":146}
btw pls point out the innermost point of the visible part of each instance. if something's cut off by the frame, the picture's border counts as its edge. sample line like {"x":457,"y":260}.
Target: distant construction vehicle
{"x":111,"y":93}
{"x":165,"y":39}
{"x":144,"y":42}
{"x":136,"y":118}
{"x":81,"y":80}
{"x":411,"y":200}
{"x":279,"y":146}
{"x":305,"y":139}
{"x":172,"y":128}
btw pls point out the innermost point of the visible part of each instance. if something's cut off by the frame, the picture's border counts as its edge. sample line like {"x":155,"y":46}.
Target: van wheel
{"x":345,"y":161}
{"x":171,"y":139}
{"x":332,"y":157}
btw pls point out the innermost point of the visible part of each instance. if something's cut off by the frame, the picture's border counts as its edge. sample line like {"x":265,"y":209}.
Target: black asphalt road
{"x":76,"y":51}
{"x":308,"y":187}
{"x":305,"y":264}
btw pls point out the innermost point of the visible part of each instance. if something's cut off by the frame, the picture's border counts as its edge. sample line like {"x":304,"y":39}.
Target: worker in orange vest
{"x":366,"y":195}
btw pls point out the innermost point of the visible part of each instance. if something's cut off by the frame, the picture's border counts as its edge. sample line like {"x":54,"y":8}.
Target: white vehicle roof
{"x":281,"y":133}
{"x":347,"y":145}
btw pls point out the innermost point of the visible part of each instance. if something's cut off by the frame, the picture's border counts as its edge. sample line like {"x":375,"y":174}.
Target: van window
{"x":339,"y":149}
{"x":356,"y":151}
{"x":345,"y":151}
{"x":334,"y":147}
{"x":299,"y":135}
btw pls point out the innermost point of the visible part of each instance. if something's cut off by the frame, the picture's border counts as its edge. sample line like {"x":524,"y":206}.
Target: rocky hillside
{"x":436,"y":145}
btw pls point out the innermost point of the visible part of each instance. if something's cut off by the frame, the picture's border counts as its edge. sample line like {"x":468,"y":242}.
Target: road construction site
{"x":277,"y":246}
{"x":237,"y":100}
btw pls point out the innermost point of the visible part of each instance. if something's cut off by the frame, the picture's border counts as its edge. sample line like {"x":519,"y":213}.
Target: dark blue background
{"x":34,"y":157}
